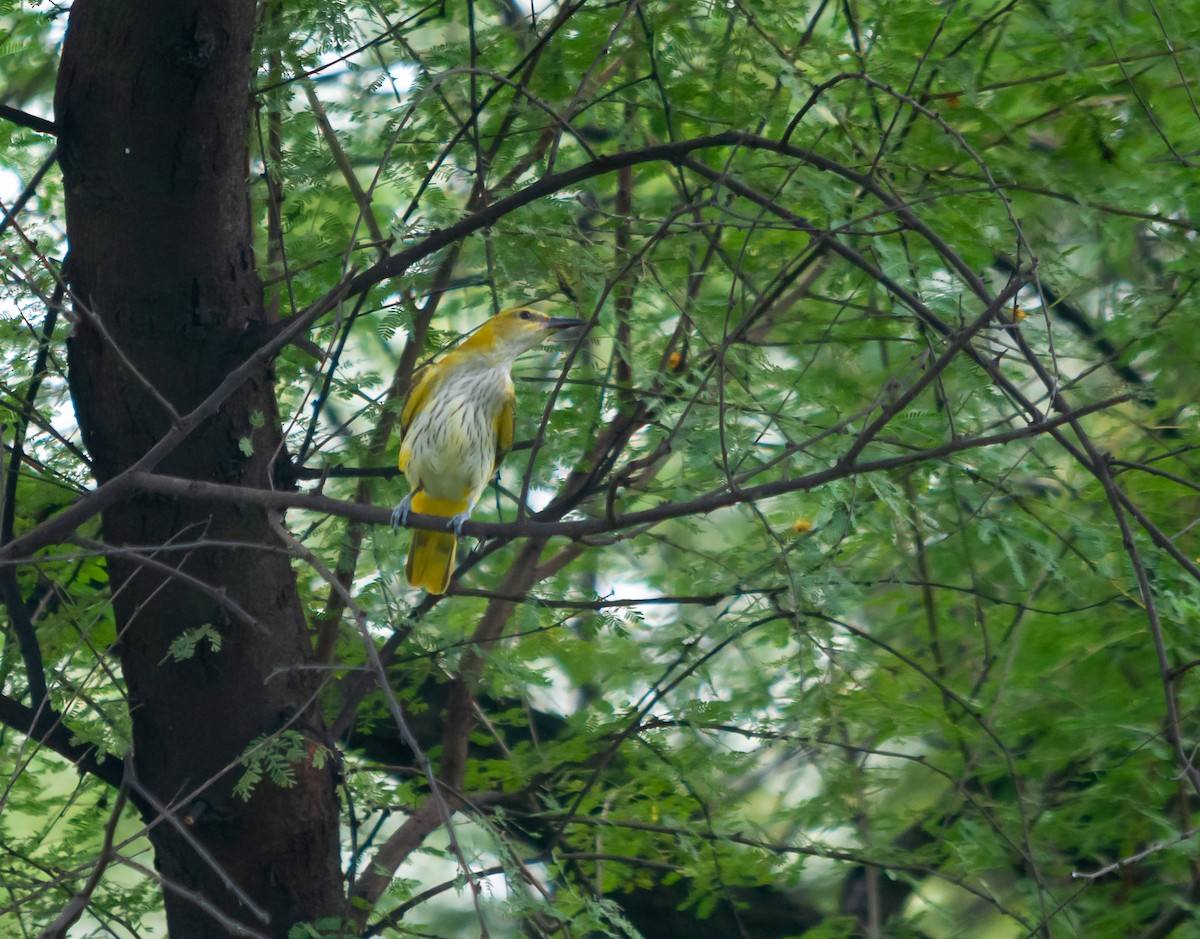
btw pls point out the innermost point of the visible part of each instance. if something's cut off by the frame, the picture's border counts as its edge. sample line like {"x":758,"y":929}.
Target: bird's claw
{"x":456,"y":522}
{"x":400,"y":515}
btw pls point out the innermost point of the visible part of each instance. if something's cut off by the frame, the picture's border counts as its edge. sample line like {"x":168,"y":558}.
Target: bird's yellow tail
{"x":431,"y":555}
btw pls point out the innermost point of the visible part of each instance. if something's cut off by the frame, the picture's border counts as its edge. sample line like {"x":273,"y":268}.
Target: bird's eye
{"x":525,"y":314}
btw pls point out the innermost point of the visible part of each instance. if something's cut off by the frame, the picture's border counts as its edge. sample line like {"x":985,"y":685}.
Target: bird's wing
{"x":504,"y":427}
{"x":418,"y":396}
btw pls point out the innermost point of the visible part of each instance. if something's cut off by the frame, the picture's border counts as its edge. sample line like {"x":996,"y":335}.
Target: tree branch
{"x":62,"y":526}
{"x":535,"y":527}
{"x":78,"y":903}
{"x":25,"y":119}
{"x":45,"y":726}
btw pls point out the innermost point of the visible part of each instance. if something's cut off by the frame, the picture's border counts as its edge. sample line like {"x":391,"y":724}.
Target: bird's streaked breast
{"x":451,"y":442}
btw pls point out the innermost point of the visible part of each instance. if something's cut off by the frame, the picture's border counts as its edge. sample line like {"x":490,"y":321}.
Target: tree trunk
{"x":152,"y":107}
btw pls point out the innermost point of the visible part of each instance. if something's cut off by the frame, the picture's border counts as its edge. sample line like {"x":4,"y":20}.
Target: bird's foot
{"x":400,"y":515}
{"x":456,"y":522}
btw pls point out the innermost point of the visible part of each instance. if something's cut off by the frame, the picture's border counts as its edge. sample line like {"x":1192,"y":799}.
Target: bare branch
{"x":533,"y":527}
{"x":74,"y":909}
{"x":25,"y":119}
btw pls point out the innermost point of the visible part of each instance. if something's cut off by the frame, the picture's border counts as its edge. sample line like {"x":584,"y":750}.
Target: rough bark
{"x":152,"y":107}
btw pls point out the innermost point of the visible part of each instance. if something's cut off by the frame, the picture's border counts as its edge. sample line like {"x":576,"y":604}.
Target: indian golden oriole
{"x":455,"y":428}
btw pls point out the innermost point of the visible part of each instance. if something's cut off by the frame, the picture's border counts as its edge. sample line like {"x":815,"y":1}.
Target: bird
{"x":455,"y":428}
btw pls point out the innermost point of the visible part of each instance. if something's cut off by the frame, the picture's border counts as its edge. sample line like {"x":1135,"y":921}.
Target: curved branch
{"x":10,"y":590}
{"x":27,"y":193}
{"x":46,"y":726}
{"x":63,"y":525}
{"x":674,"y":152}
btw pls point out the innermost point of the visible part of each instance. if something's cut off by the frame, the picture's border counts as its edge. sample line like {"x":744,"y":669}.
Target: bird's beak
{"x":562,"y":322}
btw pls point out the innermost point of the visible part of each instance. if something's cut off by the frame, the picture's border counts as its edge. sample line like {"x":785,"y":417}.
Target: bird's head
{"x":512,"y":332}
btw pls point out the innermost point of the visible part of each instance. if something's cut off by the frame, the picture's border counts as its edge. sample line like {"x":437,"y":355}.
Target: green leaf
{"x":184,"y":646}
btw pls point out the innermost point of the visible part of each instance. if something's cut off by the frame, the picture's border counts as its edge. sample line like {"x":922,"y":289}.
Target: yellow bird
{"x":455,"y":428}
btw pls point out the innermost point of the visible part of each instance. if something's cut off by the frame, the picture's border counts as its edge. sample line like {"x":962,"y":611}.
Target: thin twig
{"x":444,"y":811}
{"x":1135,"y":858}
{"x":78,"y":903}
